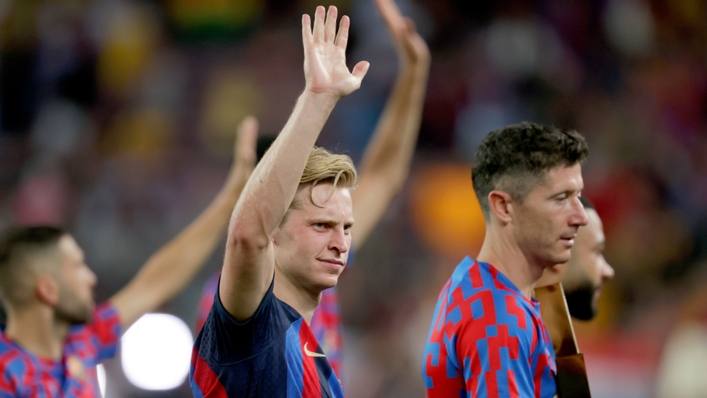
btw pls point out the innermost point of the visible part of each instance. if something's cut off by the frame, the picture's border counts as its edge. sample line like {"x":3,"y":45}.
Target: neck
{"x":508,"y":258}
{"x":302,"y":300}
{"x":37,"y":331}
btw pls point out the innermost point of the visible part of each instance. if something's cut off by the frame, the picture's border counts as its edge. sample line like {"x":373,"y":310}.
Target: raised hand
{"x":412,"y":49}
{"x":243,"y":155}
{"x":325,"y":67}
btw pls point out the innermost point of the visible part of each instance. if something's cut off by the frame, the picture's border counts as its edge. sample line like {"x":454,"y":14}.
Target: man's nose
{"x":339,"y":242}
{"x":579,"y":217}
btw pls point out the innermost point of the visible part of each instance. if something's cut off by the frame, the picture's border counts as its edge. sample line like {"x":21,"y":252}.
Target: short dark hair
{"x":515,"y":158}
{"x":587,"y":203}
{"x":16,"y":238}
{"x":15,"y":244}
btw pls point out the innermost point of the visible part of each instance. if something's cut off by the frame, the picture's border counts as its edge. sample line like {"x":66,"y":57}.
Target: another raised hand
{"x":386,"y":162}
{"x":325,"y":67}
{"x":412,"y":49}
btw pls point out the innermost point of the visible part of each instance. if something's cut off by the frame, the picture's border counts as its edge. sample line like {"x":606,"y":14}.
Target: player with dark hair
{"x":384,"y":169}
{"x":487,"y":337}
{"x":55,"y":335}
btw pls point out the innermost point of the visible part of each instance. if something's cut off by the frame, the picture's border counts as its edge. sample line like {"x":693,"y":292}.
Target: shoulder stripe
{"x":204,"y":382}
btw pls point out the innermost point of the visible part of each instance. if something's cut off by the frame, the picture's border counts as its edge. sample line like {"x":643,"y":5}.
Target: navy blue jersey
{"x":325,"y":324}
{"x":272,"y":354}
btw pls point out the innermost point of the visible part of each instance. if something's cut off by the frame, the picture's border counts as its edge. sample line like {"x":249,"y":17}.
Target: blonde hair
{"x":328,"y":168}
{"x":324,"y":166}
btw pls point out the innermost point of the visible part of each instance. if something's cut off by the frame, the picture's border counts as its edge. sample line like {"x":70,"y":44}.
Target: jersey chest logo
{"x":312,"y":353}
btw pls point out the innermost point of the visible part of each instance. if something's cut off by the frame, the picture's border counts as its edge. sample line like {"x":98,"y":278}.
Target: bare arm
{"x":386,"y":163}
{"x":249,"y":265}
{"x":168,"y":271}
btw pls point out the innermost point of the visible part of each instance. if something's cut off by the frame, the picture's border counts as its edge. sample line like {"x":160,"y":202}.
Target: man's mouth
{"x":332,"y":262}
{"x":569,"y":239}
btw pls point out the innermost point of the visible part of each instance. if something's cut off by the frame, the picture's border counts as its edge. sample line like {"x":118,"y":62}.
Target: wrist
{"x":325,"y":100}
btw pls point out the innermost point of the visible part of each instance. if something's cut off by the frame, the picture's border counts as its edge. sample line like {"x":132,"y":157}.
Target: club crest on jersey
{"x":75,"y":367}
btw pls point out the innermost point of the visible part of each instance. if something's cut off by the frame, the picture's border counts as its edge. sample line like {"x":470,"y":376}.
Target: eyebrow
{"x":330,"y":221}
{"x":571,"y":191}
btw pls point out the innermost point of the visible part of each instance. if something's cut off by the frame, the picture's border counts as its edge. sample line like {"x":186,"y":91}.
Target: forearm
{"x":274,"y":182}
{"x":248,"y":265}
{"x":249,"y":262}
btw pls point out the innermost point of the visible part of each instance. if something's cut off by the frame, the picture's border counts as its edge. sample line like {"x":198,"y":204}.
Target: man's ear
{"x":501,"y":205}
{"x":47,"y":289}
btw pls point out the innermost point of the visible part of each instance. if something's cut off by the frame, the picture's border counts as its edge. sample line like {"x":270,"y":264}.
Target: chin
{"x":327,"y":282}
{"x":562,"y":257}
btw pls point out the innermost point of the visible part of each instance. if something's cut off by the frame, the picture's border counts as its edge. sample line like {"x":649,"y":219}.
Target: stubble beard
{"x":542,"y":249}
{"x":72,"y":310}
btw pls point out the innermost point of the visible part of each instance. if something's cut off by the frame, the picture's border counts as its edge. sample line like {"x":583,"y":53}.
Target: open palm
{"x":325,"y":55}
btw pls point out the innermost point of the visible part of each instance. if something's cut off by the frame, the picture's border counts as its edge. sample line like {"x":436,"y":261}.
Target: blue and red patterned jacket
{"x":487,"y":340}
{"x":24,"y":375}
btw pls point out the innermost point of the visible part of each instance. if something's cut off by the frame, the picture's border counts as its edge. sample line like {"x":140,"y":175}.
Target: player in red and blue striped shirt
{"x":75,"y":374}
{"x":383,"y":172}
{"x":54,"y":337}
{"x":487,"y":338}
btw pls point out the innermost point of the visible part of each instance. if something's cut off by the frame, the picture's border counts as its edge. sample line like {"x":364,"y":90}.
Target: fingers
{"x":330,"y":25}
{"x":246,"y":140}
{"x":324,"y":26}
{"x":342,"y":38}
{"x":306,"y":30}
{"x":318,"y":32}
{"x":325,"y":54}
{"x":359,"y":71}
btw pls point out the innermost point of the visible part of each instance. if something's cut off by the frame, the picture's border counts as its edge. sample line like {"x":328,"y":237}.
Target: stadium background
{"x":117,"y":120}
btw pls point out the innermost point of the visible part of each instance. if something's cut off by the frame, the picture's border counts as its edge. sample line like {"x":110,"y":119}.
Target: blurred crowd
{"x":117,"y":119}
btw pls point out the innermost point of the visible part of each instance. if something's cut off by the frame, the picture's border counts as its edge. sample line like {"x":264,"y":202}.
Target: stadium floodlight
{"x":156,"y":351}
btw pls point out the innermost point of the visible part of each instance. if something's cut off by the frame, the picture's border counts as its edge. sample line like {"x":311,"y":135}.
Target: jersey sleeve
{"x":206,"y":301}
{"x":104,"y":331}
{"x":224,"y":346}
{"x":224,"y":339}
